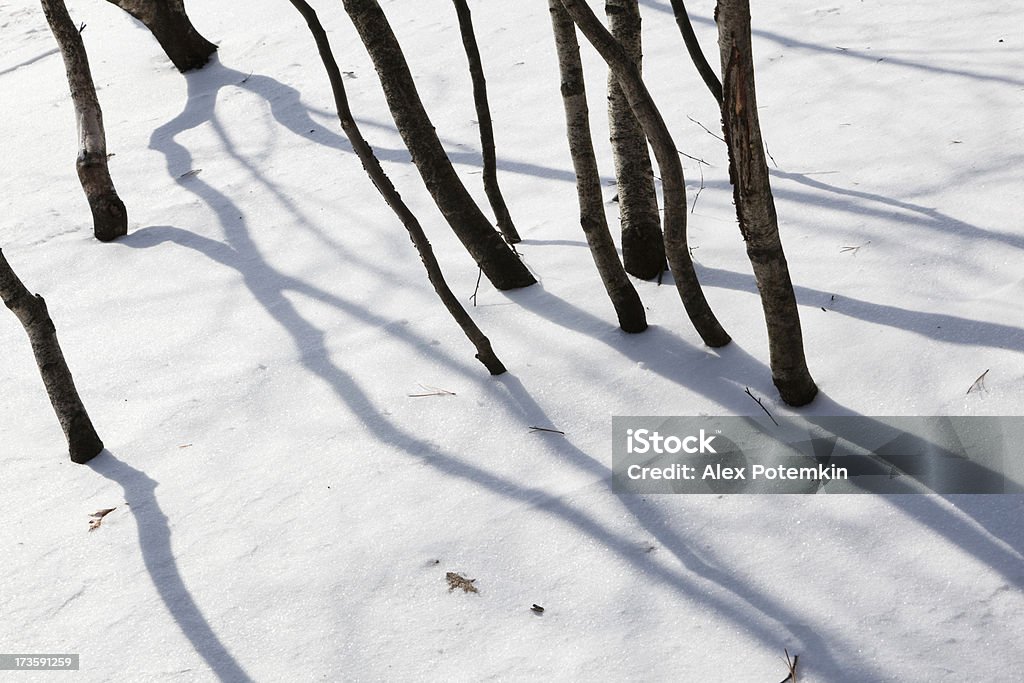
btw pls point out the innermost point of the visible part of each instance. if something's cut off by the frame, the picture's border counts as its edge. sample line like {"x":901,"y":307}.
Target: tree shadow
{"x":155,"y":544}
{"x":743,"y":604}
{"x":873,"y":57}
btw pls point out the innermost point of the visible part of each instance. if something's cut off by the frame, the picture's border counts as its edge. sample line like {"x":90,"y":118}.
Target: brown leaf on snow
{"x":96,"y":518}
{"x":459,"y":581}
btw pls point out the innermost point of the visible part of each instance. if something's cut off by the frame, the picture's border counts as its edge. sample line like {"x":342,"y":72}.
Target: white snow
{"x":286,"y":511}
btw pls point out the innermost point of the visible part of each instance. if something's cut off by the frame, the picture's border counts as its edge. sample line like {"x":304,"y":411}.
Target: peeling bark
{"x":109,"y":217}
{"x":628,"y":307}
{"x":755,"y":206}
{"x":83,"y":442}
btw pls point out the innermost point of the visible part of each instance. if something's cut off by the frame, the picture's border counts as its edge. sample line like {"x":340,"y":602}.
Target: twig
{"x":758,"y":401}
{"x":479,"y":275}
{"x":545,"y":429}
{"x":701,"y":189}
{"x":979,"y":384}
{"x":770,"y":155}
{"x":431,"y":391}
{"x":854,"y":250}
{"x":791,"y":663}
{"x":706,"y":129}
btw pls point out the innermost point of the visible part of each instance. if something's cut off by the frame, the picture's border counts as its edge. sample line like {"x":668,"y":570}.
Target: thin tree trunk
{"x":665,"y":152}
{"x":497,"y":261}
{"x":628,"y":307}
{"x":109,"y":218}
{"x":83,"y":442}
{"x":643,"y":246}
{"x":485,"y":354}
{"x":170,"y":25}
{"x":483,"y":115}
{"x":696,"y":54}
{"x":755,"y":206}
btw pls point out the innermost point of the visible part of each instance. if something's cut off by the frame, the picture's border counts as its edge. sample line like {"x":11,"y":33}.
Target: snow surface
{"x":286,"y":511}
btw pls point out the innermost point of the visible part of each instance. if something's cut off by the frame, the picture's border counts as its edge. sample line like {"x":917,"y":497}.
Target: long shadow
{"x":30,"y":60}
{"x":872,"y":57}
{"x":661,"y":351}
{"x":733,"y":368}
{"x":939,"y":326}
{"x":931,"y":218}
{"x":267,"y":286}
{"x":158,"y":556}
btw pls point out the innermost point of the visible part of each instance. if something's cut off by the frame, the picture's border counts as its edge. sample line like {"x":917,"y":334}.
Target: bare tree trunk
{"x":497,"y":261}
{"x":628,"y":307}
{"x":665,"y":152}
{"x":755,"y":206}
{"x":485,"y":354}
{"x":483,"y":115}
{"x":83,"y":442}
{"x":170,"y":25}
{"x":696,"y":54}
{"x":643,"y":246}
{"x":109,"y":218}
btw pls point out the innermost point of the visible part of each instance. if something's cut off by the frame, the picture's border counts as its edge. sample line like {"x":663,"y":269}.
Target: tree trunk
{"x":657,"y":132}
{"x":755,"y":206}
{"x":628,"y":307}
{"x":696,"y":54}
{"x":497,"y":261}
{"x":83,"y":442}
{"x":485,"y":354}
{"x":483,"y":115}
{"x":109,"y":218}
{"x":643,"y":246}
{"x":170,"y":25}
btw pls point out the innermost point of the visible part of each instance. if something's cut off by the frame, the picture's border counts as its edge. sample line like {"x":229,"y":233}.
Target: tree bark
{"x":665,"y":152}
{"x":485,"y":354}
{"x":628,"y":307}
{"x":83,"y":442}
{"x":170,"y":25}
{"x":109,"y":217}
{"x":643,"y":246}
{"x":497,"y":261}
{"x":483,"y":115}
{"x":755,"y":206}
{"x":696,"y":54}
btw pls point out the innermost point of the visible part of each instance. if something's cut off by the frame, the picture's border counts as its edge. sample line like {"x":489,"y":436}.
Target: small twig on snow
{"x":479,"y":275}
{"x":431,"y":391}
{"x":545,"y":429}
{"x":791,"y":663}
{"x":979,"y":384}
{"x":758,"y":402}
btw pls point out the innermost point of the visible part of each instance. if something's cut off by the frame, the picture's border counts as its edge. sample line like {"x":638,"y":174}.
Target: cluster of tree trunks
{"x":634,"y":120}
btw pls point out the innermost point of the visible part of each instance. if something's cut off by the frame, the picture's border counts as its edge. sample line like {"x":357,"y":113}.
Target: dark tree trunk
{"x":483,"y":115}
{"x":628,"y":307}
{"x":755,"y":206}
{"x":109,"y":217}
{"x":497,"y":261}
{"x":485,"y":354}
{"x":83,"y":442}
{"x":643,"y":246}
{"x":673,"y":183}
{"x":696,"y":54}
{"x":170,"y":25}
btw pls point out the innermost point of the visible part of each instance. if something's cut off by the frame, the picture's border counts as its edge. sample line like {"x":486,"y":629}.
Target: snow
{"x":284,"y":508}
